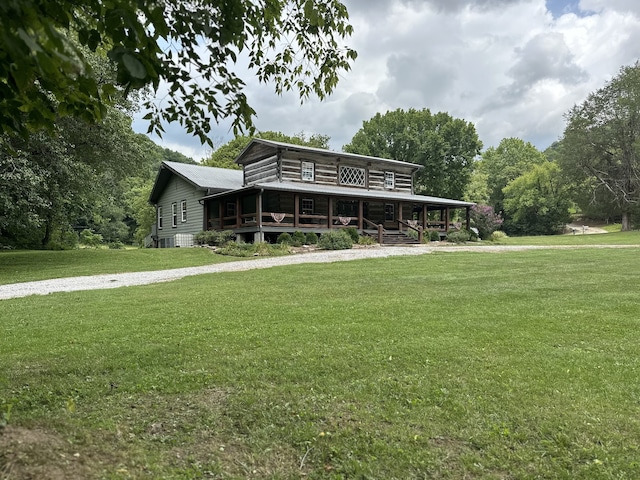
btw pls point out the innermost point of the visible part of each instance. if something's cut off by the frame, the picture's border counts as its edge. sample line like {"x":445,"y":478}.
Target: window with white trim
{"x":389,"y":180}
{"x":307,"y":206}
{"x":352,"y":176}
{"x":159,"y":218}
{"x":308,"y":171}
{"x":174,"y":215}
{"x":183,"y":211}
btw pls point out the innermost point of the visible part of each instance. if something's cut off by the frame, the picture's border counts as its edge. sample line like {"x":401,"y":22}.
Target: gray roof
{"x":207,"y":179}
{"x":313,"y":189}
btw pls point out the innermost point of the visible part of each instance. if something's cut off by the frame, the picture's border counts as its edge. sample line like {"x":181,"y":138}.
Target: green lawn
{"x":461,"y":365}
{"x":30,"y":265}
{"x":614,"y":238}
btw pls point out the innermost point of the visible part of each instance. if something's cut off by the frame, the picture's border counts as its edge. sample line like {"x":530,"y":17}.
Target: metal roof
{"x":313,"y":189}
{"x":208,"y":179}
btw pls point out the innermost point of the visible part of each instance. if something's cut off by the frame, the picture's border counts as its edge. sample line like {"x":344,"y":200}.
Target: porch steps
{"x":391,"y":237}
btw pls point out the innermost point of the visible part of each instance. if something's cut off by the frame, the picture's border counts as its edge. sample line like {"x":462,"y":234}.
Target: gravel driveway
{"x":116,"y":280}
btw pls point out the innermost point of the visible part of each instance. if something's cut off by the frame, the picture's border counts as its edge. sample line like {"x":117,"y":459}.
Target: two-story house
{"x":291,"y":187}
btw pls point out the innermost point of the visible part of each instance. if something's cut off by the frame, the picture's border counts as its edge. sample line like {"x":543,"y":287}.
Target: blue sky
{"x":512,"y":67}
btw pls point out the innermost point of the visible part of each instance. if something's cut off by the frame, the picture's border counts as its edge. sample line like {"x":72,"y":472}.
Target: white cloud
{"x":511,"y":67}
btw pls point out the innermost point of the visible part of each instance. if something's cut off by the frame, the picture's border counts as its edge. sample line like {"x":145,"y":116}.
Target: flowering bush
{"x":485,"y":220}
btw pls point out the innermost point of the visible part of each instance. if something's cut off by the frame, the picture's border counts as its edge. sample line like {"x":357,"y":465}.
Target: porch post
{"x":360,"y":214}
{"x":259,"y":210}
{"x":205,"y":220}
{"x":400,"y":216}
{"x":296,"y":210}
{"x":330,"y":212}
{"x":238,"y":212}
{"x":221,"y":211}
{"x":424,"y":215}
{"x":447,"y":218}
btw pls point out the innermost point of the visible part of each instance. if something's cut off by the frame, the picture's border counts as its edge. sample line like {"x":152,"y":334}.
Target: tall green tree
{"x":444,"y":145}
{"x":512,"y":158}
{"x":191,"y":46}
{"x":225,"y":155}
{"x":601,"y":143}
{"x":537,"y":202}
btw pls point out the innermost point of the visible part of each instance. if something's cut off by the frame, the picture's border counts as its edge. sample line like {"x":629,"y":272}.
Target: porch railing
{"x":415,"y":227}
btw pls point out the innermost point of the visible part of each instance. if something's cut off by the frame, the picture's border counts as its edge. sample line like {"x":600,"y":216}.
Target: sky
{"x":513,"y":68}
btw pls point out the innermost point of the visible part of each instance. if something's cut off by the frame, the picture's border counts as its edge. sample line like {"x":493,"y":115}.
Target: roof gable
{"x":207,"y":179}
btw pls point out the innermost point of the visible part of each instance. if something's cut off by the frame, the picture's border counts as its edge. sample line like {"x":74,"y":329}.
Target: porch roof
{"x":314,"y":189}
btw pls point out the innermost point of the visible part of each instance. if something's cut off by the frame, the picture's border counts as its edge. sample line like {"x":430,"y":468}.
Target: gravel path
{"x":116,"y":280}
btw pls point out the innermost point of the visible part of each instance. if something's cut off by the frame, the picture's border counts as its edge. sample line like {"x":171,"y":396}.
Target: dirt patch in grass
{"x":36,"y":454}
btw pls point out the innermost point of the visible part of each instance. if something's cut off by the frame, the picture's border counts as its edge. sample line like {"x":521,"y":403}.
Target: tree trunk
{"x":626,"y":222}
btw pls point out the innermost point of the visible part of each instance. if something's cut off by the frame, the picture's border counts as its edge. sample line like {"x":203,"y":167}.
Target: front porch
{"x":256,"y":215}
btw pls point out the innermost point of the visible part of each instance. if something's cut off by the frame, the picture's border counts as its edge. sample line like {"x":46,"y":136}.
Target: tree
{"x":444,"y":145}
{"x":225,"y":155}
{"x":601,"y":143}
{"x":512,"y":158}
{"x":44,"y":74}
{"x":537,"y":202}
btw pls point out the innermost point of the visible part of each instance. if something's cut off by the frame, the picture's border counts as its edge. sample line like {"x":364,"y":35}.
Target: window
{"x":307,"y":206}
{"x":389,"y":213}
{"x":389,"y":180}
{"x":159,"y":218}
{"x":352,"y":176}
{"x":308,"y":173}
{"x":174,"y":215}
{"x":231,"y":209}
{"x":183,"y":211}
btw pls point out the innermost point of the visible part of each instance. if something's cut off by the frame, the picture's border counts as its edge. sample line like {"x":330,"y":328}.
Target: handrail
{"x":418,"y":229}
{"x":370,"y":223}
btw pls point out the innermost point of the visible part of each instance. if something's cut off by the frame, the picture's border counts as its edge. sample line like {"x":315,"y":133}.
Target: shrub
{"x":458,"y":236}
{"x":214,"y":238}
{"x":434,"y":235}
{"x":284,"y":237}
{"x":353,"y":233}
{"x":497,"y":236}
{"x":90,"y":239}
{"x":485,"y":220}
{"x":335,"y":240}
{"x":298,"y":239}
{"x":366,"y":240}
{"x":312,"y":238}
{"x":116,"y":245}
{"x":259,"y":249}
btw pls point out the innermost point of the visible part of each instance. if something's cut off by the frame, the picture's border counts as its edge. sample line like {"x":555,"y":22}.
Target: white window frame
{"x":389,"y":180}
{"x":349,"y":174}
{"x":159,"y":218}
{"x":174,"y":215}
{"x":183,"y":211}
{"x":308,"y":171}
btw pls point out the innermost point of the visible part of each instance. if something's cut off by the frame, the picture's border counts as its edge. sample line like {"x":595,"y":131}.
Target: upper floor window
{"x":389,"y":180}
{"x":174,"y":215}
{"x":308,"y":172}
{"x":183,"y":211}
{"x":352,"y":176}
{"x":159,"y":218}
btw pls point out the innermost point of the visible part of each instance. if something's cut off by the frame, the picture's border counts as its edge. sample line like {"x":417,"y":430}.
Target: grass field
{"x":31,"y":265}
{"x":461,"y":365}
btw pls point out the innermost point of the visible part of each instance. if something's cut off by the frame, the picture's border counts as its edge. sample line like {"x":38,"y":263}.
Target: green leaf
{"x":134,"y":66}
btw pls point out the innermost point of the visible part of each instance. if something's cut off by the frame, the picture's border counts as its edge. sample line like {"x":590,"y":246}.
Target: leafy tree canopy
{"x":601,"y":143}
{"x":43,"y":74}
{"x":225,"y":155}
{"x":537,"y":202}
{"x":444,"y":145}
{"x":512,"y":158}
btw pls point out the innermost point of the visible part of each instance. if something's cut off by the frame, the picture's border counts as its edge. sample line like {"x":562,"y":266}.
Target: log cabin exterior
{"x":291,"y":187}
